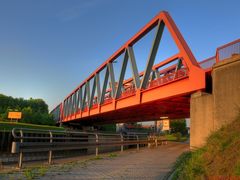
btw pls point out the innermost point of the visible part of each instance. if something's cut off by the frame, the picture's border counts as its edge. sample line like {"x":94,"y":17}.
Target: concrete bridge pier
{"x":209,"y":112}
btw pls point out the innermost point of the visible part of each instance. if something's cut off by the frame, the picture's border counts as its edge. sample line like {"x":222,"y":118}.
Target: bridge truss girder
{"x":83,"y":104}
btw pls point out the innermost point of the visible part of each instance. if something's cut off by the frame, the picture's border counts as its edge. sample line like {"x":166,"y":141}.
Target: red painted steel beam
{"x":175,"y":33}
{"x":194,"y":80}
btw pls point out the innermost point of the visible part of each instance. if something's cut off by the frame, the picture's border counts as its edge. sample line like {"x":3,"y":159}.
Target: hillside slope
{"x":219,"y":158}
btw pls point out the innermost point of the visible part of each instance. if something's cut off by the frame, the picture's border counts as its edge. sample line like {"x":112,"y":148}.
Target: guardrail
{"x":30,"y":141}
{"x":227,"y":50}
{"x":208,"y":63}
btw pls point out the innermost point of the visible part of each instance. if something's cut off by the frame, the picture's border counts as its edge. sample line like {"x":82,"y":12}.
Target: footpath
{"x":147,"y":163}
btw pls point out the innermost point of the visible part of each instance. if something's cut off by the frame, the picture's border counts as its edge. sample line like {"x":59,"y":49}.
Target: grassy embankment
{"x":219,"y":158}
{"x":8,"y":126}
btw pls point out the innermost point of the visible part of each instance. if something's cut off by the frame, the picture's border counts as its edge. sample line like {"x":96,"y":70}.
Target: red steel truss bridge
{"x":162,"y":90}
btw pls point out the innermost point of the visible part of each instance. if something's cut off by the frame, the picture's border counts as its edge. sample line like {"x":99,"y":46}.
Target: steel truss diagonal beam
{"x":134,"y":68}
{"x":112,"y":78}
{"x":92,"y":93}
{"x":74,"y":103}
{"x":79,"y":98}
{"x":178,"y":66}
{"x":104,"y":86}
{"x":64,"y":109}
{"x":122,"y":74}
{"x":71,"y":104}
{"x":86,"y":96}
{"x":98,"y":88}
{"x":128,"y":55}
{"x":68,"y":105}
{"x":152,"y":54}
{"x":153,"y":75}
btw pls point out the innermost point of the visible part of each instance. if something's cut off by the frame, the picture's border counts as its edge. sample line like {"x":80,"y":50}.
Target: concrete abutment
{"x":209,"y":112}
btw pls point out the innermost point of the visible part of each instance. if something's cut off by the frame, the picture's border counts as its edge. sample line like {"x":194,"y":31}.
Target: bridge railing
{"x":128,"y":91}
{"x":31,"y":141}
{"x":227,"y":50}
{"x":176,"y":75}
{"x":208,"y":63}
{"x":222,"y":52}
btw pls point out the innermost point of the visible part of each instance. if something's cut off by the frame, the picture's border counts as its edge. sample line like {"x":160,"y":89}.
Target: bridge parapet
{"x":223,"y":52}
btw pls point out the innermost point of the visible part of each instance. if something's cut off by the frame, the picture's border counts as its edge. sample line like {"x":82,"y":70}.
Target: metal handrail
{"x":51,"y":143}
{"x":65,"y":132}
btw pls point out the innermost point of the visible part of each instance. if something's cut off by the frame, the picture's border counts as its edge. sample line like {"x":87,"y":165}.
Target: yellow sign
{"x":14,"y":115}
{"x":165,"y":125}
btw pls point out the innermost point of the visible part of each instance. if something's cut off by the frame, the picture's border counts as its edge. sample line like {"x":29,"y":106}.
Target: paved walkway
{"x":145,"y":164}
{"x":153,"y":163}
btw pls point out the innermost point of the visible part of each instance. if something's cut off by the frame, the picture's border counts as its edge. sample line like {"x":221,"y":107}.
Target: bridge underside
{"x":173,"y":108}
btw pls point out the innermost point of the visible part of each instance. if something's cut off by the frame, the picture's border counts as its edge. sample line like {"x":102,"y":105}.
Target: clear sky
{"x":48,"y":47}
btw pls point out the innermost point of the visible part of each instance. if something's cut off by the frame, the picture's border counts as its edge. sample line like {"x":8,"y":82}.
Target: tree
{"x":178,"y":125}
{"x":27,"y":115}
{"x":34,"y":111}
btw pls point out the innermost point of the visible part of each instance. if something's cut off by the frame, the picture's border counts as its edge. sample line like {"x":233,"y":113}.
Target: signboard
{"x":162,"y":125}
{"x":14,"y":115}
{"x":165,"y":125}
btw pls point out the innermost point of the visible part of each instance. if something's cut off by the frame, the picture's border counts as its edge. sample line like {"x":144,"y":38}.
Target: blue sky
{"x":48,"y":47}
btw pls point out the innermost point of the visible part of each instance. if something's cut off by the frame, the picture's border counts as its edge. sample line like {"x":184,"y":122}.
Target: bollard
{"x":96,"y":144}
{"x":21,"y":153}
{"x":50,"y":151}
{"x":149,"y":145}
{"x":137,"y":142}
{"x":122,"y":142}
{"x":156,"y":141}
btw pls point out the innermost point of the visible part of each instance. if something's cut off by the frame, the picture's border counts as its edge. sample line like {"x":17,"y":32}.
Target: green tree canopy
{"x":34,"y":111}
{"x":178,"y":125}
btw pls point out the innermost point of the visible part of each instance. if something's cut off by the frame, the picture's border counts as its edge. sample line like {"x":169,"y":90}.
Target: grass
{"x":32,"y":173}
{"x":112,"y":155}
{"x":189,"y":166}
{"x":172,"y":137}
{"x":219,"y":158}
{"x":29,"y":174}
{"x":42,"y":171}
{"x":96,"y":158}
{"x":8,"y":126}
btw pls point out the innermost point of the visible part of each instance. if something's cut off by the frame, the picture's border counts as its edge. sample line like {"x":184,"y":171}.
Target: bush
{"x":178,"y":136}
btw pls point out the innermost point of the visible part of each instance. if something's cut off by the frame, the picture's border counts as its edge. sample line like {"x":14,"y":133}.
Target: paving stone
{"x":147,"y":163}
